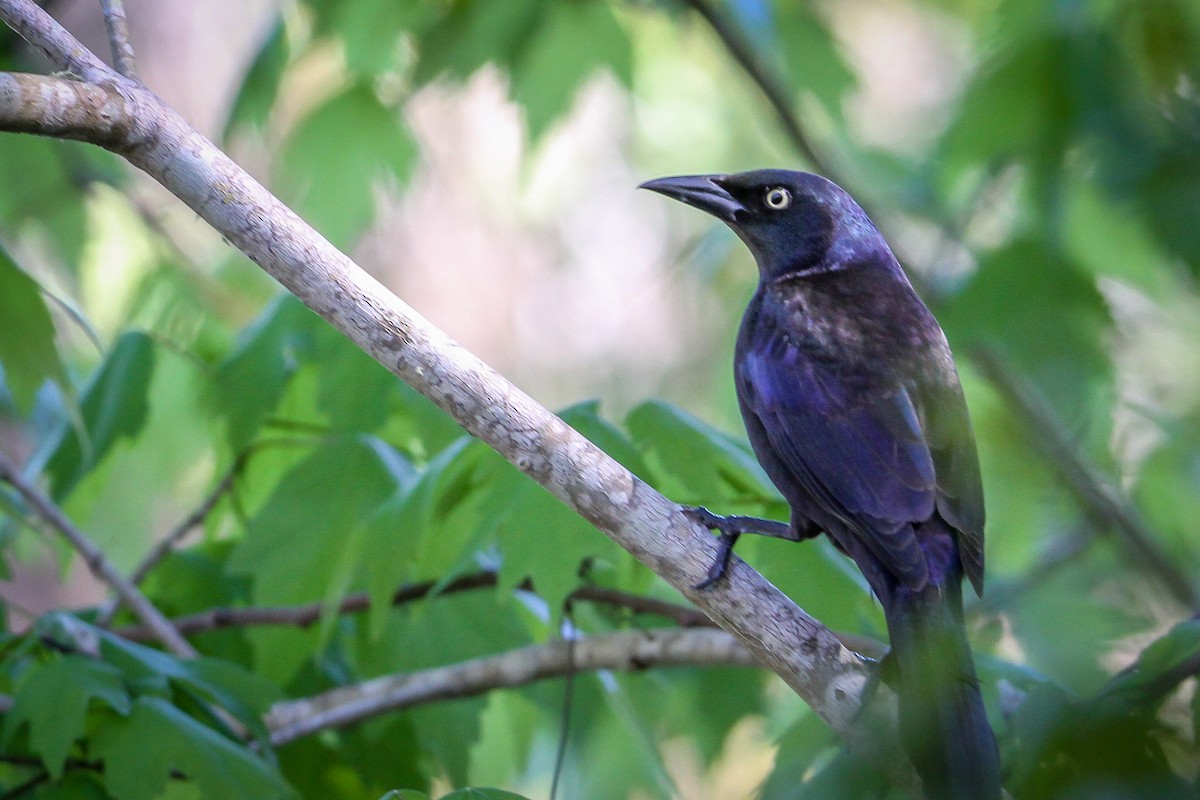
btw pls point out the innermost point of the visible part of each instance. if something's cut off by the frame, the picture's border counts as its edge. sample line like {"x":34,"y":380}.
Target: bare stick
{"x":625,"y":651}
{"x":52,"y":40}
{"x":96,"y":561}
{"x":118,"y":37}
{"x":1099,"y":496}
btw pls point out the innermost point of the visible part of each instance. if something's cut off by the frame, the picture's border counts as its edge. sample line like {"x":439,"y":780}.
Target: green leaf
{"x":251,"y":381}
{"x":53,"y":697}
{"x":260,"y":86}
{"x":52,"y":175}
{"x":1162,"y":666}
{"x":540,"y":537}
{"x":405,"y":794}
{"x":471,"y":33}
{"x":243,"y":694}
{"x":572,"y":42}
{"x":113,"y":407}
{"x":27,"y":351}
{"x":355,"y":391}
{"x":813,"y":62}
{"x":335,"y":156}
{"x":483,"y":794}
{"x":142,"y":752}
{"x":371,"y":32}
{"x":1004,"y":307}
{"x":305,"y":542}
{"x":697,"y":463}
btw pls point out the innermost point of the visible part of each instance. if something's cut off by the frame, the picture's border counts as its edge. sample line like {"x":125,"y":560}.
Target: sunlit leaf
{"x":28,"y":354}
{"x":112,"y":407}
{"x":329,"y":179}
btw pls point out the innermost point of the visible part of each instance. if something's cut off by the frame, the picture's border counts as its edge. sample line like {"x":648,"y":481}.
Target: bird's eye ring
{"x":778,"y":198}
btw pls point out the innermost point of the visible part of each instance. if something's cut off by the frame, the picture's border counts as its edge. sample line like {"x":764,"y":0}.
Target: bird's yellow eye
{"x":778,"y":198}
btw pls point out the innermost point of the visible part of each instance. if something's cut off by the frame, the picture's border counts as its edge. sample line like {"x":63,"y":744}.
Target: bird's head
{"x":793,"y":222}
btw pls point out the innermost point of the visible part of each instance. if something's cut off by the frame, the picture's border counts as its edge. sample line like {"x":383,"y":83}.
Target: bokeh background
{"x":1035,"y":165}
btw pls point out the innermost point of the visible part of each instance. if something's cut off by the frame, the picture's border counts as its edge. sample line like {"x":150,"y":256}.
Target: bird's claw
{"x":729,"y":536}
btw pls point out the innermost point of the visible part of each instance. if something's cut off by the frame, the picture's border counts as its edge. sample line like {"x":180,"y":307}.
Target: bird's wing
{"x":860,"y":455}
{"x":960,"y":487}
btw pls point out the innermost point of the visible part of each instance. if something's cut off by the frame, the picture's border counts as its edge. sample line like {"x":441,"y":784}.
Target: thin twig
{"x":306,"y":614}
{"x":1095,"y":492}
{"x":118,"y":37}
{"x":772,"y":89}
{"x":190,"y":523}
{"x":34,"y":25}
{"x":626,"y":651}
{"x":96,"y":561}
{"x":167,"y":544}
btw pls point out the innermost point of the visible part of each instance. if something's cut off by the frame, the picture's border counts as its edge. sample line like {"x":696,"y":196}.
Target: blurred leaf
{"x":355,"y":390}
{"x":112,"y":407}
{"x":53,"y":175}
{"x":371,"y":32}
{"x":1165,"y":663}
{"x":335,"y":156}
{"x":1027,"y":80}
{"x":1168,"y":488}
{"x":697,"y":463}
{"x":812,"y":59}
{"x":54,"y":697}
{"x":251,"y":380}
{"x":304,"y":542}
{"x":1093,"y":748}
{"x":483,"y":794}
{"x":539,"y":537}
{"x":574,"y":40}
{"x":27,"y":351}
{"x":1007,"y":307}
{"x":244,"y":695}
{"x":471,"y":33}
{"x":260,"y":85}
{"x":141,"y":753}
{"x":453,"y":629}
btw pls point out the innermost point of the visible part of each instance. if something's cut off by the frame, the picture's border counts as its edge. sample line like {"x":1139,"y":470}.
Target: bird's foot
{"x":729,"y":529}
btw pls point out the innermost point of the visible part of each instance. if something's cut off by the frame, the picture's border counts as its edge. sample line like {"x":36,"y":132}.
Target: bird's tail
{"x":942,"y":719}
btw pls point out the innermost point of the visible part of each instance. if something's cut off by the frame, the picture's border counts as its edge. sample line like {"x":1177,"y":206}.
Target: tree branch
{"x":626,"y":651}
{"x":97,"y":563}
{"x":118,"y":37}
{"x":635,"y":516}
{"x":34,"y":25}
{"x":306,"y":614}
{"x":62,"y":108}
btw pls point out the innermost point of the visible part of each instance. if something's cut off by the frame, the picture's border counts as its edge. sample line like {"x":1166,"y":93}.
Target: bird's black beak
{"x":702,"y":191}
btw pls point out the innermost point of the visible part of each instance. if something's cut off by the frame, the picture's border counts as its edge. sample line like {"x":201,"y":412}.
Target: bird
{"x":853,"y":406}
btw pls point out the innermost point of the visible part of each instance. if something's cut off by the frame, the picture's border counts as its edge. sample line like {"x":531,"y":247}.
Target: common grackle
{"x":854,"y":409}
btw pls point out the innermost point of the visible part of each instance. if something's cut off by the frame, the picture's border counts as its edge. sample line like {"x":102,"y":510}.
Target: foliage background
{"x":1036,"y":165}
